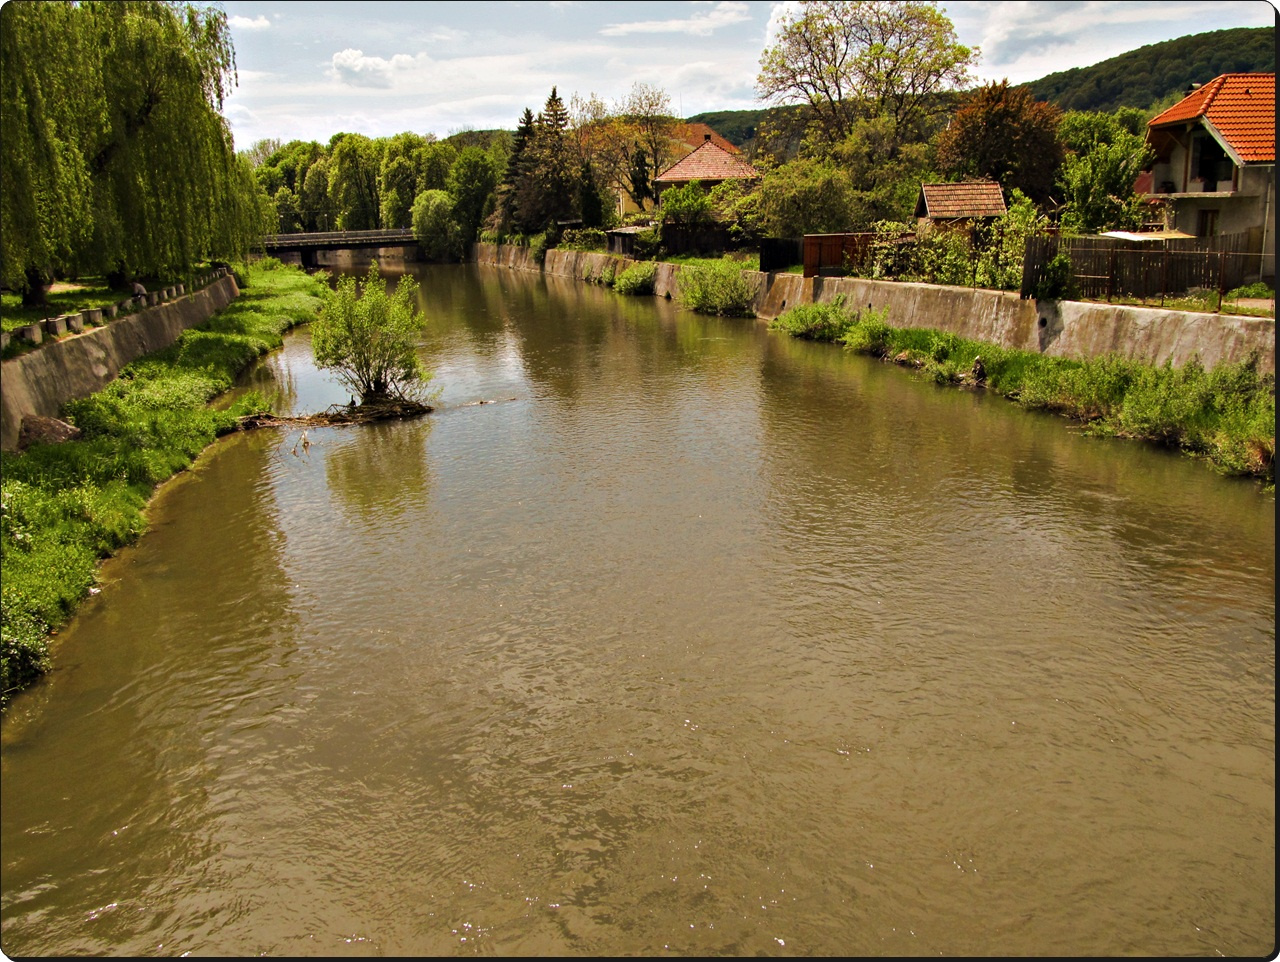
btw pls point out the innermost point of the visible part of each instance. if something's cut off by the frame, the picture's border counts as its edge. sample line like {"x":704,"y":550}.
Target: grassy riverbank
{"x":63,"y":507}
{"x":1226,"y":415}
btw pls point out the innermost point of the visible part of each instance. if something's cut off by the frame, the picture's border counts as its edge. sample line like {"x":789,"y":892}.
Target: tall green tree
{"x":353,"y":181}
{"x":845,"y":59}
{"x":318,"y":210}
{"x":472,"y":181}
{"x":547,"y":186}
{"x":434,"y":162}
{"x":115,"y":154}
{"x":1005,"y":134}
{"x":1098,"y":175}
{"x":504,"y":215}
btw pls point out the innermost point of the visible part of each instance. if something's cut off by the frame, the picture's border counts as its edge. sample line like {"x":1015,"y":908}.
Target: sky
{"x":310,"y":70}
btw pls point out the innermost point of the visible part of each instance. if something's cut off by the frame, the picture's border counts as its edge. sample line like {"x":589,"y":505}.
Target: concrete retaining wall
{"x":1057,"y":328}
{"x":42,"y":381}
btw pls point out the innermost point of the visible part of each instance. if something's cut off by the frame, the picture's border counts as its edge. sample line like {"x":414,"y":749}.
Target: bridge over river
{"x":308,"y":245}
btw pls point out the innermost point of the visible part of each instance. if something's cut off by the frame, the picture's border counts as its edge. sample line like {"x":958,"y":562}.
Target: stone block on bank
{"x":93,"y":315}
{"x":32,"y":332}
{"x":4,"y":339}
{"x":37,"y":429}
{"x":56,"y":326}
{"x":75,"y":322}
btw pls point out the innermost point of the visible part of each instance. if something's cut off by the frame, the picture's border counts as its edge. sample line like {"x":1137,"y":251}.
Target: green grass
{"x":1226,"y":416}
{"x":741,"y":260}
{"x":64,"y":507}
{"x":94,"y":294}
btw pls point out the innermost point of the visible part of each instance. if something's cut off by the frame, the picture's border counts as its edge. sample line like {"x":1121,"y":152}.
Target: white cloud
{"x":700,"y":24}
{"x":244,"y":23}
{"x":353,"y":68}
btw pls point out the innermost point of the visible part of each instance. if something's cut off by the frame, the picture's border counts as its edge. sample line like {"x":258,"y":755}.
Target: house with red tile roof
{"x":685,"y":139}
{"x":709,"y":164}
{"x":1216,"y":161}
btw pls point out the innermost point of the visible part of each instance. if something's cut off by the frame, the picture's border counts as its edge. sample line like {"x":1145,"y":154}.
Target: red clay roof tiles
{"x":707,"y":162}
{"x":1240,"y":106}
{"x":975,"y":198}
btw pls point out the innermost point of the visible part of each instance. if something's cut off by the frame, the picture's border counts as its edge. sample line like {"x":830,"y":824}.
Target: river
{"x":697,"y":640}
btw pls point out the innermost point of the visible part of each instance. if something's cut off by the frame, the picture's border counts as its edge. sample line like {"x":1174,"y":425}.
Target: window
{"x":1207,"y":223}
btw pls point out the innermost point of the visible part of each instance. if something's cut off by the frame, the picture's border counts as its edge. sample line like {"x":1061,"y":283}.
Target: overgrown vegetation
{"x":716,"y":287}
{"x":65,"y":506}
{"x":1226,"y":415}
{"x":367,"y":335}
{"x":637,"y":279}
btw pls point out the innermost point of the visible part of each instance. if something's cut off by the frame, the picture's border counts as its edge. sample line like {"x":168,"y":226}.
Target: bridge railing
{"x":339,"y":237}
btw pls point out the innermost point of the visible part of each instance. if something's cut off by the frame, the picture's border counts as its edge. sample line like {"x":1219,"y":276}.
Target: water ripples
{"x":709,"y":642}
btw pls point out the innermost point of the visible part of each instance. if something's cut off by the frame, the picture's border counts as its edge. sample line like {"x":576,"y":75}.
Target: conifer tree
{"x":546,"y":189}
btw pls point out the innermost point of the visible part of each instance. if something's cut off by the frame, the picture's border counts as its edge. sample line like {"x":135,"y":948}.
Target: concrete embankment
{"x":1056,"y":328}
{"x":43,"y":380}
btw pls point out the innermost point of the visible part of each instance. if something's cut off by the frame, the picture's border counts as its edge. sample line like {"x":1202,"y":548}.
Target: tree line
{"x":870,"y":99}
{"x":116,"y":157}
{"x":567,"y":164}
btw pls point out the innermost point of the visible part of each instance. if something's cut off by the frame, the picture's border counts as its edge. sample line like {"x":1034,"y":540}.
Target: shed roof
{"x":1240,"y":108}
{"x":708,"y":162}
{"x":971,"y":198}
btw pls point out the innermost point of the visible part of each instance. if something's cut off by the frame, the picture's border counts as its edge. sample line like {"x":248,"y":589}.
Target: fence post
{"x":1164,"y":272}
{"x":1221,"y":262}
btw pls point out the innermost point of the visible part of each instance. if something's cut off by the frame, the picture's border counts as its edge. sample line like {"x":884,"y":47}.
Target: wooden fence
{"x":1107,"y":268}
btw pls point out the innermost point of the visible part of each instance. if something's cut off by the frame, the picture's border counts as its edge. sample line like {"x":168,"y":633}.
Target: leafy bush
{"x":716,"y":287}
{"x":584,"y":239}
{"x":1256,"y":289}
{"x":539,"y":244}
{"x":368,"y":338}
{"x":869,"y":334}
{"x":687,"y":204}
{"x":1057,"y":282}
{"x":639,"y":278}
{"x":648,"y":245}
{"x":815,"y":322}
{"x":435,"y":227}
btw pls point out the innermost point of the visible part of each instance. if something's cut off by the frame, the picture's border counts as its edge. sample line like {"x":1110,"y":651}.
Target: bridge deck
{"x":339,"y":239}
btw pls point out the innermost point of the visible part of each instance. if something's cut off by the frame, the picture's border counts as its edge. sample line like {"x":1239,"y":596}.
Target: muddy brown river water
{"x":700,"y":640}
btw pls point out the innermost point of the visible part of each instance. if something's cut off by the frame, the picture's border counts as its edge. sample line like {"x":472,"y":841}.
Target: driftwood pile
{"x":339,"y":414}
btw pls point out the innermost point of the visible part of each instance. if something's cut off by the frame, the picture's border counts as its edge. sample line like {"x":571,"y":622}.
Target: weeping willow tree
{"x":115,"y":156}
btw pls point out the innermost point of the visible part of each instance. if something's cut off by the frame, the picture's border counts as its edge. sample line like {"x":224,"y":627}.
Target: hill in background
{"x":1159,"y":73}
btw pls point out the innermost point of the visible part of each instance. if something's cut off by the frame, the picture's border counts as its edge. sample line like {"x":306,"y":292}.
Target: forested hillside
{"x":1160,"y":72}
